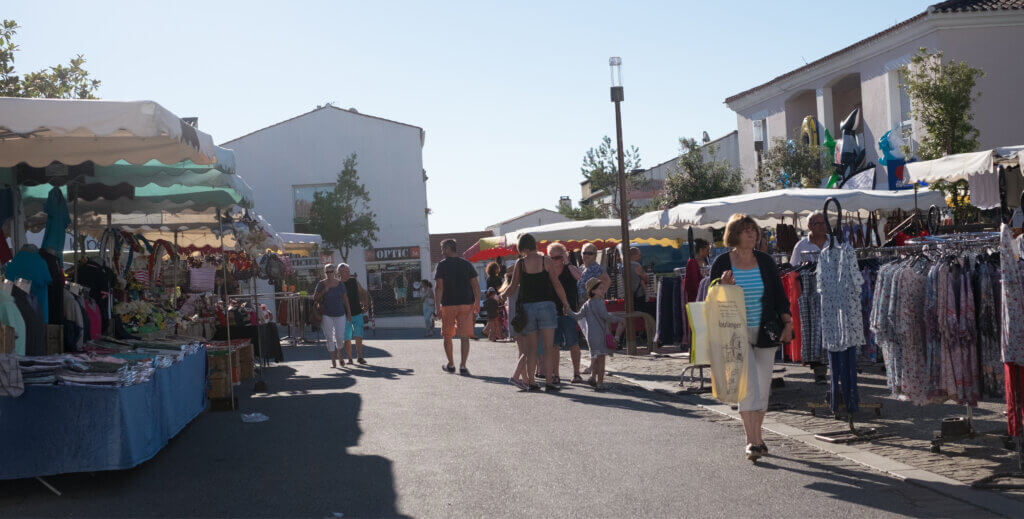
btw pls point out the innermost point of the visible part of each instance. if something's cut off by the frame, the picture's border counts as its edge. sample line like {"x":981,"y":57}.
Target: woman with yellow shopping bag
{"x":768,"y":320}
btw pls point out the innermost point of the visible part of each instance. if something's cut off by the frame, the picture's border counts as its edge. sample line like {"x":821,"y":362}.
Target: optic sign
{"x":392,"y":253}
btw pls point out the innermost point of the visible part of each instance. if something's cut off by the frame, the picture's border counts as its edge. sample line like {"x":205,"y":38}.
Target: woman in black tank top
{"x":539,"y":291}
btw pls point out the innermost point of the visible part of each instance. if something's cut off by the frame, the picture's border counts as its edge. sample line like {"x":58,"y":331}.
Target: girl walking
{"x":595,"y":321}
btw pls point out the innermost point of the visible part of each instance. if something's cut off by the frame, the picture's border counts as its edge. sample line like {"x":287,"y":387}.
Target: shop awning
{"x":962,"y":166}
{"x":150,"y":199}
{"x":295,"y":238}
{"x":41,"y":131}
{"x":769,"y":207}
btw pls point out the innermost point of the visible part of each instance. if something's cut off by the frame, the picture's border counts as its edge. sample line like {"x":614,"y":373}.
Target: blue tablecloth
{"x":61,"y":429}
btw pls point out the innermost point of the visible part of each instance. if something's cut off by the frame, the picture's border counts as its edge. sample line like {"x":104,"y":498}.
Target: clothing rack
{"x":852,"y":434}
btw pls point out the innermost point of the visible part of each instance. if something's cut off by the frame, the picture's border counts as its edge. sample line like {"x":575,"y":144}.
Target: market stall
{"x":118,"y":400}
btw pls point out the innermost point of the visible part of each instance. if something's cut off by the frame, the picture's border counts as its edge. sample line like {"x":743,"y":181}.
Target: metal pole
{"x":74,"y":239}
{"x":227,"y":316}
{"x":627,"y":266}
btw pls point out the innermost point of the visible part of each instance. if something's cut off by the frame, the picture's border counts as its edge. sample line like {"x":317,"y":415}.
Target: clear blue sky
{"x":510,"y":94}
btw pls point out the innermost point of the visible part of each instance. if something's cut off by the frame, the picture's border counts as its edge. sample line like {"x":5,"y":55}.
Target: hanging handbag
{"x":770,"y":334}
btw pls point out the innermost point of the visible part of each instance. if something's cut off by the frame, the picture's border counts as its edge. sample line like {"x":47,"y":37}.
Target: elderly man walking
{"x":457,"y":296}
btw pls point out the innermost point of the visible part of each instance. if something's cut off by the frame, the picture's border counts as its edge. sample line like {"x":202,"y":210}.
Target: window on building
{"x":302,"y":198}
{"x":900,"y":110}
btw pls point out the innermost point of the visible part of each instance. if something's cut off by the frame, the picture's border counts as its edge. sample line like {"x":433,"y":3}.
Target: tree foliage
{"x":699,"y":178}
{"x":941,"y":95}
{"x":601,"y":168}
{"x":583,"y":212}
{"x":69,"y":81}
{"x":792,"y":164}
{"x":341,"y":216}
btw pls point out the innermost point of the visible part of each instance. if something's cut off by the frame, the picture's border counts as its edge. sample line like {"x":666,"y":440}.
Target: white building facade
{"x":865,"y":75}
{"x":288,"y":162}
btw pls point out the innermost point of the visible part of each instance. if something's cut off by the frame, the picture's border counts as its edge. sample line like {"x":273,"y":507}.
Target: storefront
{"x":393,"y":276}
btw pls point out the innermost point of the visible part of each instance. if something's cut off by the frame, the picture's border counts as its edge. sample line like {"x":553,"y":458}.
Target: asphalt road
{"x":402,"y":437}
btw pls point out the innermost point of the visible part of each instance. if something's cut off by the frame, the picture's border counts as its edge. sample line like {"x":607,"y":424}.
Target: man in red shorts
{"x":457,"y":293}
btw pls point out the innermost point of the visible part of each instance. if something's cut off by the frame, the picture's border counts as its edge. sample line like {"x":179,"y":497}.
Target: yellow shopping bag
{"x":728,"y":343}
{"x":698,"y":324}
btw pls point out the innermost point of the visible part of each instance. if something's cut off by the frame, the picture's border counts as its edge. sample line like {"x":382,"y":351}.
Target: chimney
{"x":564,"y":202}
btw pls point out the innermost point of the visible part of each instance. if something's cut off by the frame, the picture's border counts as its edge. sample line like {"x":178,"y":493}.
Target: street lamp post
{"x":615,"y":63}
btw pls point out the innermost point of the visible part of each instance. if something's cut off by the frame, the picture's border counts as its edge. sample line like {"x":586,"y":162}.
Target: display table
{"x":52,"y":430}
{"x":265,"y":339}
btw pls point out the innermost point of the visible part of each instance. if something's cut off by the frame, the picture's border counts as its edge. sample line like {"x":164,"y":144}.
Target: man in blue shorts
{"x":357,"y":300}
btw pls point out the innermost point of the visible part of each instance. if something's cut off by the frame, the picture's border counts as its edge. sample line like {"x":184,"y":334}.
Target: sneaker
{"x":450,"y":368}
{"x":753,"y":453}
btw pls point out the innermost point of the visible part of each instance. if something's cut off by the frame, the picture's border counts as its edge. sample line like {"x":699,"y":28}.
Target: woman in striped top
{"x":756,"y":273}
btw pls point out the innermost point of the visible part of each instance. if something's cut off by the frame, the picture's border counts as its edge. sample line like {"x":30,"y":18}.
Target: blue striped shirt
{"x":753,"y":288}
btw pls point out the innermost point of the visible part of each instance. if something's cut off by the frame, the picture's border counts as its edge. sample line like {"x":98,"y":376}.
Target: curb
{"x":990,"y":501}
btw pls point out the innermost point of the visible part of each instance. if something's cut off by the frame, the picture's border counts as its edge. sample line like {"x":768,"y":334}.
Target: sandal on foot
{"x":551,"y":388}
{"x":556,"y":380}
{"x":362,"y":360}
{"x":521,"y":385}
{"x":592,"y":382}
{"x":577,"y":379}
{"x":534,"y":387}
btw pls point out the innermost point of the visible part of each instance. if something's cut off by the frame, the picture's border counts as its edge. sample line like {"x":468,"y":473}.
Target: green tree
{"x":795,"y":164}
{"x":941,"y":95}
{"x":601,"y":168}
{"x":583,"y":212}
{"x":69,"y":81}
{"x":697,"y":178}
{"x":341,"y":216}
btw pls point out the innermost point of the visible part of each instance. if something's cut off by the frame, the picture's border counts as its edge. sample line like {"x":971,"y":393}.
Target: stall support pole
{"x":627,"y":266}
{"x":74,"y":237}
{"x":227,"y":316}
{"x":261,"y":384}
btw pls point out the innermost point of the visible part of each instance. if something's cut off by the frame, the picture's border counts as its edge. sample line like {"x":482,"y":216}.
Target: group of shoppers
{"x":340,"y":300}
{"x":553,"y":296}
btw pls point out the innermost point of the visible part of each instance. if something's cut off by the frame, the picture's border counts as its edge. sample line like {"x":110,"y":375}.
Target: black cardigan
{"x":774,"y":297}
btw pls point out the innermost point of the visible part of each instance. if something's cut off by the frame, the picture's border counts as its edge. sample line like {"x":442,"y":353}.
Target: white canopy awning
{"x":601,"y":229}
{"x":769,"y":207}
{"x":41,"y":131}
{"x":962,"y":166}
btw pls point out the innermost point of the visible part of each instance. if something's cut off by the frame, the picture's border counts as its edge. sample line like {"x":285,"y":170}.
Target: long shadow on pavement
{"x":296,"y":464}
{"x":639,"y":401}
{"x":858,"y":486}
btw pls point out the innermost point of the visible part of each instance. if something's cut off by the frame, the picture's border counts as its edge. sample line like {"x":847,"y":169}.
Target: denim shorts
{"x":540,"y":316}
{"x":566,"y":335}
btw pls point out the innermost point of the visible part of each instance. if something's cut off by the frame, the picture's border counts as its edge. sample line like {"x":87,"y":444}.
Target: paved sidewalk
{"x":912,"y":426}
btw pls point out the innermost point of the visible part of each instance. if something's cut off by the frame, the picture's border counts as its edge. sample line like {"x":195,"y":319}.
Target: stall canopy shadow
{"x":297,"y":464}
